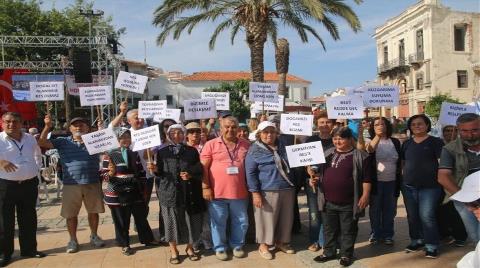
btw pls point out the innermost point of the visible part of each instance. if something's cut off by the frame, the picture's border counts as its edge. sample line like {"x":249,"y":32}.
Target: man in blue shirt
{"x":81,"y":179}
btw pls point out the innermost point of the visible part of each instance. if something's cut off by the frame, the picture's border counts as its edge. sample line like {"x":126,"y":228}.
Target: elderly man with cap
{"x":81,"y":179}
{"x":20,"y":159}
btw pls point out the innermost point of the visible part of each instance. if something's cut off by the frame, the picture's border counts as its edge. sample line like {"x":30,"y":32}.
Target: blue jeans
{"x":315,"y":225}
{"x":383,"y":209}
{"x":222,"y":209}
{"x":472,"y":225}
{"x":421,"y":205}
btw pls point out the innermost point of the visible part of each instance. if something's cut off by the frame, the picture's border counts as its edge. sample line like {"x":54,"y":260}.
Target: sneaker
{"x":373,"y":241}
{"x":267,"y":255}
{"x":414,"y":247}
{"x":459,"y":243}
{"x":432,"y":254}
{"x":286,"y":248}
{"x":388,"y":241}
{"x":96,"y":241}
{"x":72,"y":246}
{"x":221,"y":255}
{"x":238,"y":253}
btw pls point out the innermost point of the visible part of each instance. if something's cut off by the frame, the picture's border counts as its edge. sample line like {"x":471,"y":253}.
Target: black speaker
{"x":82,"y":69}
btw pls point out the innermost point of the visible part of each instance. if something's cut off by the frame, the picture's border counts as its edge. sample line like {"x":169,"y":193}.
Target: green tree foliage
{"x":26,"y":17}
{"x":239,"y":106}
{"x":432,"y":107}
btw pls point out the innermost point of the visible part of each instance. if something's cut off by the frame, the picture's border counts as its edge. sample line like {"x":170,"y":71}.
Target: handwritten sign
{"x":269,"y":106}
{"x":100,"y":141}
{"x":355,"y":91}
{"x":131,"y":82}
{"x":46,"y":91}
{"x":380,"y":96}
{"x":168,"y":114}
{"x":296,"y":124}
{"x":99,"y":95}
{"x":345,"y":107}
{"x":222,"y":99}
{"x":145,"y":138}
{"x":449,"y":112}
{"x":199,"y":109}
{"x":305,"y":154}
{"x":263,"y":92}
{"x":148,"y":109}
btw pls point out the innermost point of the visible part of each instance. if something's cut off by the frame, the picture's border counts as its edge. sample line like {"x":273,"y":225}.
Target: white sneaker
{"x":96,"y":241}
{"x":72,"y":246}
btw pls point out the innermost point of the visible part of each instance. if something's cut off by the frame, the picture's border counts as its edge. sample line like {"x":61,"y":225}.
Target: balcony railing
{"x":393,"y":64}
{"x":416,"y":57}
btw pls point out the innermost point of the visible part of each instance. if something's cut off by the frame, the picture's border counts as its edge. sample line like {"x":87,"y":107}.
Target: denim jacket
{"x":261,"y":171}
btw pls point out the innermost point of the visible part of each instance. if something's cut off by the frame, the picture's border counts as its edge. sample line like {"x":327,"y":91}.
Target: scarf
{"x":280,"y":163}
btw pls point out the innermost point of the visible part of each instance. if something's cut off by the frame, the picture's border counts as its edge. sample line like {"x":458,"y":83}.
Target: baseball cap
{"x":79,"y":119}
{"x":274,"y":118}
{"x":266,"y":124}
{"x":470,"y":189}
{"x":315,"y":108}
{"x":192,"y":125}
{"x":223,"y":114}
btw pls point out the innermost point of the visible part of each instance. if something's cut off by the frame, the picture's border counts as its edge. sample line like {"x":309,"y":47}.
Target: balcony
{"x":393,"y":65}
{"x":416,"y":58}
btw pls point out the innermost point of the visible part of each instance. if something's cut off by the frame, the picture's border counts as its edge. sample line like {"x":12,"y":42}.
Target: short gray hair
{"x":130,"y":112}
{"x":15,"y":115}
{"x":468,"y":117}
{"x":231,"y":119}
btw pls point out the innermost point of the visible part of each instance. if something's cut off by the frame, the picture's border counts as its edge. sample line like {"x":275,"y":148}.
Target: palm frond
{"x":220,"y":28}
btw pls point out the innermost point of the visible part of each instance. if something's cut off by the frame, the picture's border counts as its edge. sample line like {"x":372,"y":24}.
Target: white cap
{"x":470,"y":189}
{"x":266,"y":124}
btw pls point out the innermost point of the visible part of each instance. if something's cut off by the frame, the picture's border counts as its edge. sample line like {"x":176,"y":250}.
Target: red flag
{"x":8,"y":103}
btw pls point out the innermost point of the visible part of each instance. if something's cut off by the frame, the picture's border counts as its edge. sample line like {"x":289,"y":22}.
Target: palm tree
{"x":259,"y":19}
{"x":282,"y":60}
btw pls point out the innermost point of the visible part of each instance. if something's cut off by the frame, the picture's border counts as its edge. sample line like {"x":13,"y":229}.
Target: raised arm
{"x":43,"y":141}
{"x":122,"y":112}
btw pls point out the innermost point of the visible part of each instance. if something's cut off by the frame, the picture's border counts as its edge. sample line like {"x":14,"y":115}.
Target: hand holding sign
{"x":131,"y":82}
{"x":98,"y":95}
{"x":451,"y":111}
{"x":296,"y":124}
{"x":145,"y":138}
{"x":306,"y":154}
{"x":345,"y":107}
{"x":100,"y":141}
{"x":200,"y":109}
{"x":380,"y":96}
{"x":263,"y":92}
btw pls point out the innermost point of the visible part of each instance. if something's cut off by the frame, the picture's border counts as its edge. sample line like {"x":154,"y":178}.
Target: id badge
{"x":21,"y":160}
{"x":232,"y":170}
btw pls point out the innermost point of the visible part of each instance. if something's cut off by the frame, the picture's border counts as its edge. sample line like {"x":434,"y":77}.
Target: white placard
{"x":355,"y":91}
{"x":305,"y":154}
{"x":199,"y":109}
{"x":46,"y":91}
{"x":100,"y":141}
{"x":145,"y":138}
{"x":131,"y":82}
{"x":449,"y":112}
{"x":296,"y":124}
{"x":380,"y":96}
{"x":222,"y":99}
{"x":345,"y":107}
{"x":148,"y":109}
{"x":263,"y":92}
{"x":98,"y":95}
{"x":168,"y":114}
{"x":270,"y":106}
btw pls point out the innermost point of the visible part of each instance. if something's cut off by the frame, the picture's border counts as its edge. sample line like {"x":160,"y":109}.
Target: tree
{"x":238,"y":96}
{"x":432,"y":107}
{"x":259,"y":19}
{"x":282,"y":60}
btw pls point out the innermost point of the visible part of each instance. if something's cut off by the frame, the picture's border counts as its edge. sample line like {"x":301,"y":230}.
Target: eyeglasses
{"x":191,"y":131}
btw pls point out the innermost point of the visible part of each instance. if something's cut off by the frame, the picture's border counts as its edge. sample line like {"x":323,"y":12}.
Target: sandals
{"x":174,"y":259}
{"x":127,"y":251}
{"x":193,"y":256}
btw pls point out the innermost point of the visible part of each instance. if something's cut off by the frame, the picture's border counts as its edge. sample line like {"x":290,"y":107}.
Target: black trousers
{"x":450,"y":223}
{"x":121,"y":220}
{"x":19,"y":198}
{"x":339,"y":220}
{"x":161,"y":227}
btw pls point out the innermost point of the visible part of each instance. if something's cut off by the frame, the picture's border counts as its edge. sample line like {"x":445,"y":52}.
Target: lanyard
{"x":20,"y":148}
{"x":231,"y":155}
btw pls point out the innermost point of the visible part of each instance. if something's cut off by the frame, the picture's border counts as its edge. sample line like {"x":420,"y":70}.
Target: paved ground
{"x":52,"y":238}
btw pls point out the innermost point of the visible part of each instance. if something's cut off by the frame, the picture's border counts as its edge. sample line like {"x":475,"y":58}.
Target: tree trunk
{"x":256,"y":60}
{"x":282,"y":54}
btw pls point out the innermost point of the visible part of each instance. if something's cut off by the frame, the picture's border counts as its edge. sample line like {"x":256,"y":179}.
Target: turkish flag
{"x":8,"y":103}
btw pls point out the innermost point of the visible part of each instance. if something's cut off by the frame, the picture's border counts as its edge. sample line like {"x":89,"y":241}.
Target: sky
{"x":348,"y":62}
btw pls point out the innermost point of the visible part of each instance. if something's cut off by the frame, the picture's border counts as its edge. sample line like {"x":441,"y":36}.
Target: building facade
{"x":428,"y":50}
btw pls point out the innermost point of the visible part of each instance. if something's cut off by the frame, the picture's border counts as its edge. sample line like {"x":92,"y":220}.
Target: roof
{"x":234,"y":76}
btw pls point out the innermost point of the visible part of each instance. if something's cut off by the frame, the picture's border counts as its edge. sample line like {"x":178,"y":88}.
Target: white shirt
{"x":25,"y":154}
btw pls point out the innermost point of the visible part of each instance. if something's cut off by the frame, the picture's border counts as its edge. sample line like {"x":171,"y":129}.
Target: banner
{"x":296,"y":124}
{"x":222,"y":99}
{"x":305,"y":154}
{"x":100,"y":141}
{"x":99,"y":95}
{"x":131,"y":82}
{"x":449,"y":112}
{"x":199,"y":109}
{"x":168,"y":114}
{"x":97,"y":80}
{"x":269,"y":106}
{"x":263,"y":92}
{"x":380,"y":96}
{"x":148,"y":109}
{"x":345,"y":107}
{"x":46,"y":91}
{"x":145,"y":138}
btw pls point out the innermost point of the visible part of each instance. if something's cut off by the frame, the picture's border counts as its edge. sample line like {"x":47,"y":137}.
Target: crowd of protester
{"x":219,"y":180}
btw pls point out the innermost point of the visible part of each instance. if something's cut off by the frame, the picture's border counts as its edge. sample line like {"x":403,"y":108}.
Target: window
{"x":420,"y":42}
{"x":401,"y":52}
{"x":462,"y":79}
{"x":169,"y":100}
{"x":156,"y":97}
{"x":385,"y":54}
{"x":419,"y":82}
{"x":459,"y":33}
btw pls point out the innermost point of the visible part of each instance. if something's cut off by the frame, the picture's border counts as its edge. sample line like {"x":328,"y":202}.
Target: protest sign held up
{"x":131,"y":82}
{"x":380,"y":96}
{"x":168,"y":114}
{"x":345,"y":107}
{"x":449,"y":112}
{"x":199,"y":109}
{"x":145,"y":138}
{"x":269,"y":106}
{"x":263,"y":92}
{"x":305,"y":154}
{"x":222,"y":99}
{"x":98,"y":95}
{"x":296,"y":124}
{"x":148,"y":109}
{"x":100,"y":141}
{"x":46,"y":91}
